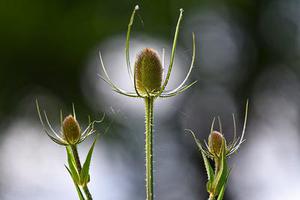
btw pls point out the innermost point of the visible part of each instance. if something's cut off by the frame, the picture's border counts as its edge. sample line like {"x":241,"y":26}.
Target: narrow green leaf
{"x":221,"y":194}
{"x":208,"y":167}
{"x":80,"y":195}
{"x":222,"y":174}
{"x":72,"y":167}
{"x":84,"y":174}
{"x":70,"y":154}
{"x":222,"y":191}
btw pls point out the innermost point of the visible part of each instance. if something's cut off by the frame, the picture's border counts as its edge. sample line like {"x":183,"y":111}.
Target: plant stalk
{"x":78,"y":166}
{"x":149,"y":147}
{"x":211,"y":197}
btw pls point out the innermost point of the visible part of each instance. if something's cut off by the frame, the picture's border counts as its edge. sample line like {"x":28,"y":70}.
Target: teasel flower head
{"x":148,"y":73}
{"x":147,"y":77}
{"x":217,"y":150}
{"x":216,"y":139}
{"x":70,"y":132}
{"x":215,"y":142}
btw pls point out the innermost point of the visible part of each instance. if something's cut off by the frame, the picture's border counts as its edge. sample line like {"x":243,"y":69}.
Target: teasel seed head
{"x":148,"y":73}
{"x":71,"y":130}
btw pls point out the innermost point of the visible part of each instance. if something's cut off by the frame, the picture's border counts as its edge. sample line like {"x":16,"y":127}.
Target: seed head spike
{"x":71,"y":130}
{"x":148,"y":73}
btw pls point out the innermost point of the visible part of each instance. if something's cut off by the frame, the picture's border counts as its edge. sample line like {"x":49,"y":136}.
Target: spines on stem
{"x":149,"y":147}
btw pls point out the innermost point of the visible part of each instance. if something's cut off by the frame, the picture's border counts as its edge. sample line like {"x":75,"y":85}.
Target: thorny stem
{"x":78,"y":166}
{"x":149,"y":147}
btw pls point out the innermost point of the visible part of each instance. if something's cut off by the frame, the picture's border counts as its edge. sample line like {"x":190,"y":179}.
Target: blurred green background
{"x":246,"y":49}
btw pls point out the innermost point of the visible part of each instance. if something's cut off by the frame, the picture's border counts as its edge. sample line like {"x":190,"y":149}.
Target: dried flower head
{"x":147,"y":76}
{"x":70,"y":133}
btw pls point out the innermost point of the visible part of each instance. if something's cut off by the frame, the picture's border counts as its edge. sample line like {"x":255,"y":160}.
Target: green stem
{"x":78,"y":166}
{"x":211,"y":197}
{"x":149,"y":147}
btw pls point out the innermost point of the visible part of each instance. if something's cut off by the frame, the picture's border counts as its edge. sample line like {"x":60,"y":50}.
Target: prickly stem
{"x":149,"y":147}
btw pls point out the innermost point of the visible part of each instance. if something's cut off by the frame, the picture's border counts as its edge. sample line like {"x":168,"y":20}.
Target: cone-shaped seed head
{"x":148,"y":72}
{"x":215,"y":141}
{"x":71,"y":130}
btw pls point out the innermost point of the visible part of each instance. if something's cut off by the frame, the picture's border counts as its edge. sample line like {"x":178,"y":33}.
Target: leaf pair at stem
{"x":79,"y":174}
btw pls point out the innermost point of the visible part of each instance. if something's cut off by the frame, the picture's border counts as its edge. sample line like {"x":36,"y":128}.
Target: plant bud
{"x":215,"y":141}
{"x":71,"y":130}
{"x":148,"y":73}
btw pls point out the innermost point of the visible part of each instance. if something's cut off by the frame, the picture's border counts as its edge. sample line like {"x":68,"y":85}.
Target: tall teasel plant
{"x":148,"y":83}
{"x":70,"y":135}
{"x":218,"y":150}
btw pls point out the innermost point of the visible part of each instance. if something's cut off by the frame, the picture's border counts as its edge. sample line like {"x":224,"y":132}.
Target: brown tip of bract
{"x":71,"y":130}
{"x":148,"y":73}
{"x":215,"y":141}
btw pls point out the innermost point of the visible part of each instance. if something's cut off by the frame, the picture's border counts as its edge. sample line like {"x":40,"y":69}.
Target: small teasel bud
{"x":71,"y":130}
{"x":215,"y":141}
{"x":148,"y":73}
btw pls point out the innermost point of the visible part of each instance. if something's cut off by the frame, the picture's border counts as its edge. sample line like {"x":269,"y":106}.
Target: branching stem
{"x":149,"y":147}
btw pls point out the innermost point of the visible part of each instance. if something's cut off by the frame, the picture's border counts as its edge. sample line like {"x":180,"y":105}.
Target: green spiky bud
{"x":71,"y":130}
{"x":148,"y":73}
{"x":215,"y":141}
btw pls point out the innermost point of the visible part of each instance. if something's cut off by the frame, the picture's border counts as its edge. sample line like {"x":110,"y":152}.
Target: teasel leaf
{"x":221,"y":194}
{"x":84,"y":174}
{"x":80,"y":195}
{"x":222,"y":191}
{"x":208,"y":168}
{"x":72,"y":165}
{"x":222,"y":173}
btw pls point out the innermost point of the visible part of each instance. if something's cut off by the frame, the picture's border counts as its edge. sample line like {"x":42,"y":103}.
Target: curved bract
{"x":70,"y":133}
{"x":156,"y":86}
